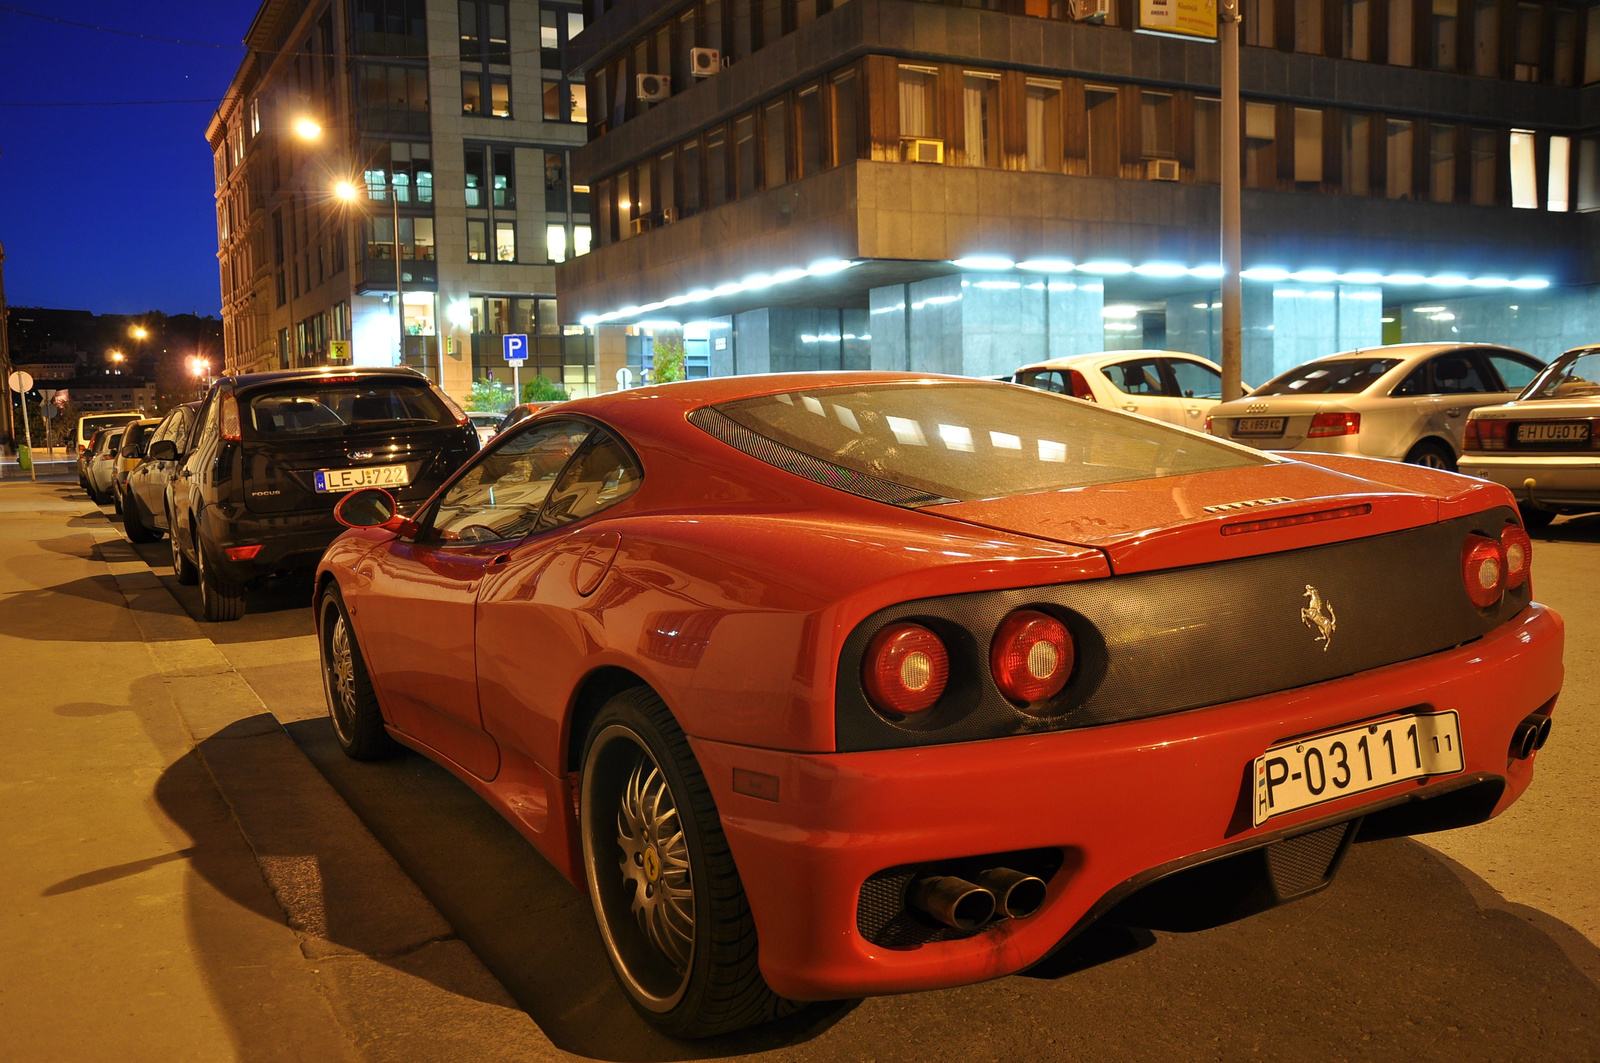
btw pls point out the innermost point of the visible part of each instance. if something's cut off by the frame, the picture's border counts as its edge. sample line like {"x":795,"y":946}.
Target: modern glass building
{"x":966,"y":187}
{"x":452,"y":121}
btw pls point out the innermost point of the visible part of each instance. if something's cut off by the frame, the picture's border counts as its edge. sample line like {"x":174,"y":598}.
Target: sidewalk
{"x":180,"y":882}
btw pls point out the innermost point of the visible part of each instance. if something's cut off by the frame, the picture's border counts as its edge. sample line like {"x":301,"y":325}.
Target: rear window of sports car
{"x":956,"y":441}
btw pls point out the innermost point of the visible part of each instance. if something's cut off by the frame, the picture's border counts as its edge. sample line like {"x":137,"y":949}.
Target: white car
{"x":1169,"y":386}
{"x":486,"y":422}
{"x":102,"y":468}
{"x":1405,"y":402}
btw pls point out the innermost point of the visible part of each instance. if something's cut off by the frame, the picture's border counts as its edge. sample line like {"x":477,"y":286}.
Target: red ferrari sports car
{"x":853,"y":683}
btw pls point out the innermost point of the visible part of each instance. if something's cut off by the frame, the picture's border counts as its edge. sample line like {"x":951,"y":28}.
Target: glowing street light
{"x":139,"y":332}
{"x":345,"y":190}
{"x":308,"y":129}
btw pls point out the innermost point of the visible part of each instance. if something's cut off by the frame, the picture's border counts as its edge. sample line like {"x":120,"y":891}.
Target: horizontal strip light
{"x":1270,"y":274}
{"x":758,"y":282}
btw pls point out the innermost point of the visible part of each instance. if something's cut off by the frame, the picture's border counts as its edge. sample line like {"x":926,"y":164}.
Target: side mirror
{"x":163,"y":450}
{"x":133,"y":450}
{"x":370,"y":507}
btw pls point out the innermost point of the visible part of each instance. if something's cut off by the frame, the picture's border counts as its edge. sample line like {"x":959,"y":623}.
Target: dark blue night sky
{"x":110,"y":209}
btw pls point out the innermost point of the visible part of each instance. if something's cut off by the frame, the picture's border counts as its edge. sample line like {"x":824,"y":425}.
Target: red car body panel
{"x":729,"y":587}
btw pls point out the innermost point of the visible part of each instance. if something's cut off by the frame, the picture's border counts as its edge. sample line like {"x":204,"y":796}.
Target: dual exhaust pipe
{"x":1530,"y":736}
{"x":999,"y":893}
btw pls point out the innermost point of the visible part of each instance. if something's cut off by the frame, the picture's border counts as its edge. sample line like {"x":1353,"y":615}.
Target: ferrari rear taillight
{"x":1334,"y":424}
{"x":1031,"y":656}
{"x":1485,"y":434}
{"x":905,"y":669}
{"x":1483,"y":570}
{"x":230,"y":417}
{"x":1080,"y":386}
{"x":1518,"y":551}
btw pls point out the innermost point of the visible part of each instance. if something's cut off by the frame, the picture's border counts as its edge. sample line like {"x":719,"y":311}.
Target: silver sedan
{"x":1405,"y":402}
{"x":1542,"y":446}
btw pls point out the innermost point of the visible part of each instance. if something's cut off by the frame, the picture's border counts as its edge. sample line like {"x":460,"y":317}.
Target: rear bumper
{"x":1558,"y":479}
{"x":1120,"y":801}
{"x":292,"y":543}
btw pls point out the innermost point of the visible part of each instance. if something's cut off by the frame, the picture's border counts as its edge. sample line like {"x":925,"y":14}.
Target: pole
{"x":399,"y":296}
{"x":27,"y":429}
{"x":516,"y":384}
{"x":1232,"y":164}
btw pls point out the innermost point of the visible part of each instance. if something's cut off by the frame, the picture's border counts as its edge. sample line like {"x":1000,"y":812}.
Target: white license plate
{"x":338,"y":481}
{"x":1334,"y":765}
{"x":1258,"y":426}
{"x":1553,"y":432}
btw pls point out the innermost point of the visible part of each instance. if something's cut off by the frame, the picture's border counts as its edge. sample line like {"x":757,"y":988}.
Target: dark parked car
{"x":522,"y":411}
{"x":273,"y":452}
{"x":144,"y":500}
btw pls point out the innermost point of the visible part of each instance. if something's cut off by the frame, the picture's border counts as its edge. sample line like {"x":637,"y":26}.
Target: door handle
{"x":1131,"y":408}
{"x":498,"y":560}
{"x":1454,"y":411}
{"x":1194,"y":413}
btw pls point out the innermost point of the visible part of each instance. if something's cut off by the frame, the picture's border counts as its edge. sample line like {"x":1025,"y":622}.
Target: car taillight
{"x":243,"y":553}
{"x":1031,"y":656}
{"x":905,"y":669}
{"x":1483,"y":570}
{"x":1208,"y":424}
{"x":450,"y":404}
{"x":1485,"y":434}
{"x":1517,"y":549}
{"x":1334,"y":424}
{"x":230,"y":417}
{"x":1080,"y":386}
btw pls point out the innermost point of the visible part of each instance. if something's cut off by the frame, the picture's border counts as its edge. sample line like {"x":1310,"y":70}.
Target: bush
{"x":668,"y":361}
{"x":491,"y":396}
{"x":540,"y":389}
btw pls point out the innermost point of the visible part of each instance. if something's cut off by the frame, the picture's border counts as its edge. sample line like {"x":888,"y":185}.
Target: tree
{"x":669,"y":361}
{"x":540,"y":389}
{"x":491,"y":396}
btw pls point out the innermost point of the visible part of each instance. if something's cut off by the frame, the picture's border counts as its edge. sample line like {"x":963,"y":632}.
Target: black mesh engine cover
{"x":1162,"y":642}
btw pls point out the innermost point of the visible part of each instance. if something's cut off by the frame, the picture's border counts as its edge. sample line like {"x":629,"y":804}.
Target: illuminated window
{"x":555,"y":242}
{"x":1399,"y":159}
{"x":1560,"y":167}
{"x":1444,"y":34}
{"x":477,"y":240}
{"x":1524,"y":171}
{"x":1400,"y":48}
{"x":1043,"y":104}
{"x":505,"y":241}
{"x":1442,"y":163}
{"x":980,"y":113}
{"x":581,"y":240}
{"x":1307,"y":146}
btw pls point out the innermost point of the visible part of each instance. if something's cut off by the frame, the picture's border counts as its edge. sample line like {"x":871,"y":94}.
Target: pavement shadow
{"x":1580,"y":529}
{"x":528,"y":925}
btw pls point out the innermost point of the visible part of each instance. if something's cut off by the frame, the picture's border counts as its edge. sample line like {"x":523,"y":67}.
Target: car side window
{"x":1459,"y":374}
{"x":1045,"y":380}
{"x":501,"y":493}
{"x":1415,"y":383}
{"x":1195,"y":380}
{"x":1140,"y":376}
{"x":1516,"y":373}
{"x":603,"y":474}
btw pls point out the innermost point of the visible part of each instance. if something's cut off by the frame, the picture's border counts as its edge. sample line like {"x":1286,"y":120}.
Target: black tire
{"x":686,"y":984}
{"x":352,"y":703}
{"x":1432,"y":454}
{"x":1535,"y":519}
{"x":220,"y":600}
{"x":135,"y":527}
{"x":182,"y":567}
{"x":116,"y":498}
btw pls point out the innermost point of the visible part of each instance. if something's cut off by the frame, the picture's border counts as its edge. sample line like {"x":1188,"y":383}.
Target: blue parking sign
{"x":516,"y":347}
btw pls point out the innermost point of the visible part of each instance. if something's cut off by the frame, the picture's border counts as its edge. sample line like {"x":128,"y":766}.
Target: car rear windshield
{"x":1574,"y":378}
{"x":314,"y":409}
{"x":91,"y":425}
{"x":1343,"y":376}
{"x":970,"y":441}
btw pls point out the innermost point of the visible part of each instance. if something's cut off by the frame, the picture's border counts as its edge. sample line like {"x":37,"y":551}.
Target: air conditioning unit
{"x":1090,"y":10}
{"x":1161,"y":169}
{"x":703,"y":62}
{"x":652,"y":88}
{"x":921,"y":149}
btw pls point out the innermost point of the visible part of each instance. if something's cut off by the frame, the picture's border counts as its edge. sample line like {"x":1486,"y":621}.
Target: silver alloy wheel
{"x":339,"y":670}
{"x":1432,"y":459}
{"x":177,"y":551}
{"x":637,"y":860}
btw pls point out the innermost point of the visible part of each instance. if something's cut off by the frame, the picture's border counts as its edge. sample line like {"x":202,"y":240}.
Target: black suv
{"x":272,"y":452}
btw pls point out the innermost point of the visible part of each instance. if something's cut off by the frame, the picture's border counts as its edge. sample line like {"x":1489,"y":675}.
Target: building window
{"x":416,"y":239}
{"x":475,"y":177}
{"x":1560,"y":168}
{"x":627,"y":209}
{"x":471,"y":93}
{"x":1566,"y":44}
{"x":690,"y":153}
{"x":578,"y":102}
{"x":1308,"y":26}
{"x":716,"y":166}
{"x":1207,"y":140}
{"x":1529,"y":25}
{"x":1357,"y":29}
{"x":1442,"y":163}
{"x":503,"y":175}
{"x":1401,"y":52}
{"x":499,"y":96}
{"x":549,"y":46}
{"x":555,"y":182}
{"x":1260,"y":143}
{"x":505,"y":241}
{"x":485,"y":36}
{"x":1155,"y":124}
{"x":477,"y":240}
{"x":1591,"y":46}
{"x":581,"y":240}
{"x":919,"y":102}
{"x":843,"y":113}
{"x":1486,"y":38}
{"x":1105,"y":151}
{"x":1307,"y":148}
{"x":745,"y":156}
{"x":1043,"y":103}
{"x":1398,"y":159}
{"x":574,"y":96}
{"x":555,"y":242}
{"x":1524,"y":171}
{"x":1483,"y":167}
{"x":1356,"y":161}
{"x":776,"y":131}
{"x":405,"y":168}
{"x":1258,"y":23}
{"x":1589,"y":174}
{"x":1444,"y":35}
{"x":392,"y":98}
{"x":808,"y":116}
{"x":980,"y":114}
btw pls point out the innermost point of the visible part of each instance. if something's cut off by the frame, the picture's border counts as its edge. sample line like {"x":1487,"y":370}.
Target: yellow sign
{"x":338,"y":350}
{"x":1182,"y":18}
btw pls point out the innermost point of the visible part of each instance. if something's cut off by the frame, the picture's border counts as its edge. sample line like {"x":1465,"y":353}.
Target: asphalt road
{"x":1482,"y":944}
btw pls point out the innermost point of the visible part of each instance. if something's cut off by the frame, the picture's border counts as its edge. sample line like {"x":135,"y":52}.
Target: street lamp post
{"x":1232,"y":250}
